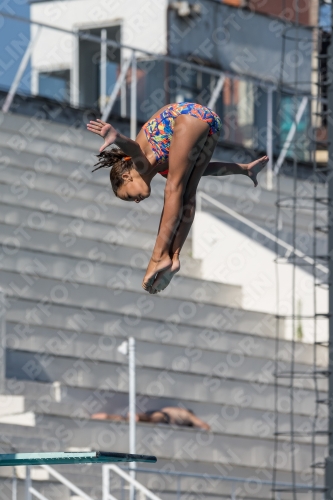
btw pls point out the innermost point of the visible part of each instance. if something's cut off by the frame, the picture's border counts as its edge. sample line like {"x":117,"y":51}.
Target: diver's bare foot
{"x":255,"y":167}
{"x":103,"y":129}
{"x":155,"y":266}
{"x":164,"y":277}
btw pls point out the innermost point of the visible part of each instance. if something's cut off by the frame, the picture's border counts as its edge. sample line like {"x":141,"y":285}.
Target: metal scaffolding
{"x":292,"y":440}
{"x":329,"y":460}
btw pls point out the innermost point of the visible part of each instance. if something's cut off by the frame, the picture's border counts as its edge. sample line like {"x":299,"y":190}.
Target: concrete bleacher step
{"x":29,"y":129}
{"x":115,"y":278}
{"x":68,"y":185}
{"x":205,"y":387}
{"x":92,"y":473}
{"x":236,"y":348}
{"x":192,"y":340}
{"x":138,"y":219}
{"x":43,"y":146}
{"x":151,"y":307}
{"x":199,"y":351}
{"x":70,"y":188}
{"x":32,"y":127}
{"x":168,"y":442}
{"x":227,"y":192}
{"x":259,"y":204}
{"x":102,"y":351}
{"x":114,"y":225}
{"x":112,"y":397}
{"x":225,"y":419}
{"x":70,"y":228}
{"x":84,"y":248}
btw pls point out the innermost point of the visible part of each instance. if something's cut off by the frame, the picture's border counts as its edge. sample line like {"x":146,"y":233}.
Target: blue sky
{"x":14,"y":37}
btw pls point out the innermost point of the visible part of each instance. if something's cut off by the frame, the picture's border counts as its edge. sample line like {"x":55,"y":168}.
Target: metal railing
{"x":207,"y":477}
{"x":289,"y":248}
{"x":130,"y":61}
{"x":30,"y":491}
{"x":145,"y":493}
{"x":126,"y":477}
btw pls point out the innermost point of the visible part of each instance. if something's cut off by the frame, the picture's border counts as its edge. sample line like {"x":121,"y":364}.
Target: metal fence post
{"x":329,"y":458}
{"x":132,"y":421}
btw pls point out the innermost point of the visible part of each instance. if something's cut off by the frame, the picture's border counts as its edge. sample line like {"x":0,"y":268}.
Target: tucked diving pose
{"x":177,"y":142}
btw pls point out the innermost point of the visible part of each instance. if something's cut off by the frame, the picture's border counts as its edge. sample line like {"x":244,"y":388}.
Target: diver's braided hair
{"x":119,"y":163}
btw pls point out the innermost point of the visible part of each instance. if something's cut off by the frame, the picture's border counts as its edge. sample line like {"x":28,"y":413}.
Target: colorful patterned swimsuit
{"x":159,"y":130}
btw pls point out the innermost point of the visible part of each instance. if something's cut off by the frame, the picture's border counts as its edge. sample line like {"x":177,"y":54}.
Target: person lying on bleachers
{"x":169,"y":415}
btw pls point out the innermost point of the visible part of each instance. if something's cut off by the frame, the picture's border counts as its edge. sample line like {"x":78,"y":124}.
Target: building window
{"x":300,"y":146}
{"x":90,"y":67}
{"x":55,"y":85}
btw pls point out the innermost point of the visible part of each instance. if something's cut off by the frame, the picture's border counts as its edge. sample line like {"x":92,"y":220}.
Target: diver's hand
{"x":105,"y":130}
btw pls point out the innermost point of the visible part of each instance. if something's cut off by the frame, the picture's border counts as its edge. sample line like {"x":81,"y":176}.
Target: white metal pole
{"x":269,"y":138}
{"x":132,"y":422}
{"x":27,"y":493}
{"x":216,"y":92}
{"x":123,"y":89}
{"x":116,"y":88}
{"x":20,"y":71}
{"x":149,"y":494}
{"x":103,"y":68}
{"x":14,"y":484}
{"x":75,"y":76}
{"x":34,"y":88}
{"x":106,"y":482}
{"x":133,"y":98}
{"x":3,"y":342}
{"x":36,"y":494}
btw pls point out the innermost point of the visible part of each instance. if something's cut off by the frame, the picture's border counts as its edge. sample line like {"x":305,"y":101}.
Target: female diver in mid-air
{"x":177,"y":142}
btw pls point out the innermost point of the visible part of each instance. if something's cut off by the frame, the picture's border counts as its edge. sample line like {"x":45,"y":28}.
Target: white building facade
{"x":66,"y":63}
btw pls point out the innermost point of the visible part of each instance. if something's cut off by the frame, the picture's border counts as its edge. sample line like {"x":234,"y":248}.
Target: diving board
{"x":71,"y":457}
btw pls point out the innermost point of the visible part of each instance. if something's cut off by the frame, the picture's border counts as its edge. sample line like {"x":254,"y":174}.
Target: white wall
{"x":230,"y":257}
{"x":143,"y":21}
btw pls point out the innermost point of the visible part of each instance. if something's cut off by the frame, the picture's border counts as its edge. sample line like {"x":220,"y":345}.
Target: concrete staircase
{"x":72,"y":260}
